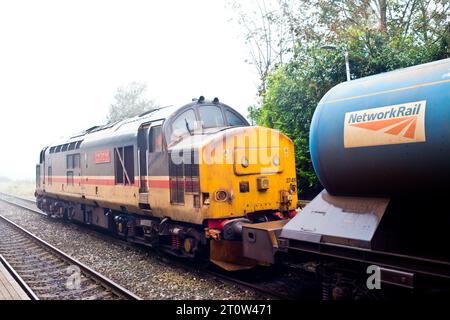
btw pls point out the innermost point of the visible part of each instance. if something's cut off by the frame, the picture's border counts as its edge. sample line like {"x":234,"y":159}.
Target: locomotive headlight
{"x":244,"y":162}
{"x":276,"y":161}
{"x":221,"y":195}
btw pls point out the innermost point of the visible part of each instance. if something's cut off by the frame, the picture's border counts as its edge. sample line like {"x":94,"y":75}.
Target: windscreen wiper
{"x":187,"y":127}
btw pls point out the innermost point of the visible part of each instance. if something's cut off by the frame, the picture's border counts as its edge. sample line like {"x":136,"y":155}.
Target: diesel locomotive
{"x":184,"y":179}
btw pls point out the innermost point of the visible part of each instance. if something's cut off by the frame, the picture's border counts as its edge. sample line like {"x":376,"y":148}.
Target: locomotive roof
{"x":125,"y":126}
{"x":129,"y":126}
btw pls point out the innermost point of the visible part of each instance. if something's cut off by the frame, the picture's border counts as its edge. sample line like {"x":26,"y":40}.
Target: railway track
{"x":50,"y":273}
{"x":275,"y":289}
{"x":30,"y":204}
{"x":272,"y":284}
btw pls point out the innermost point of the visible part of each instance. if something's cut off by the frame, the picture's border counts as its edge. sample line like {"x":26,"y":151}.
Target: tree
{"x":266,"y":32}
{"x":293,"y":91}
{"x":380,"y":36}
{"x":277,"y":31}
{"x":130,"y":101}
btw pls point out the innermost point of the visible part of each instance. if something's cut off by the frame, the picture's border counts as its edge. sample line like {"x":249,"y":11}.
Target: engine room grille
{"x":184,"y":176}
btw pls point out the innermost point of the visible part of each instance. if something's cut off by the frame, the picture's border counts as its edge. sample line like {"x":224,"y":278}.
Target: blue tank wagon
{"x":385,"y":134}
{"x":380,"y":146}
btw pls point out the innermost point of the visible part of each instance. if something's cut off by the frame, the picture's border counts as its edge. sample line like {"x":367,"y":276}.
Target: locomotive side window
{"x":191,"y":171}
{"x":124,"y":165}
{"x":76,"y":160}
{"x":234,"y":119}
{"x":38,"y":176}
{"x":183,"y":124}
{"x":118,"y":161}
{"x":211,"y":117}
{"x":72,"y":146}
{"x":42,"y":156}
{"x":176,"y":181}
{"x":49,"y":175}
{"x":129,"y":163}
{"x":155,"y":139}
{"x":69,"y":162}
{"x":73,"y":161}
{"x":70,"y":178}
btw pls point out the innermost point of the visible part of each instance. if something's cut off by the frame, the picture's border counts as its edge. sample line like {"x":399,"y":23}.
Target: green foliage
{"x":293,"y":89}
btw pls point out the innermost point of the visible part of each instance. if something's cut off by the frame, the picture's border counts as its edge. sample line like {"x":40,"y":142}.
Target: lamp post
{"x":347,"y":65}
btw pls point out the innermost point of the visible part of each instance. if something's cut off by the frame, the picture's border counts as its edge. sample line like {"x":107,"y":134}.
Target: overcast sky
{"x":62,"y":61}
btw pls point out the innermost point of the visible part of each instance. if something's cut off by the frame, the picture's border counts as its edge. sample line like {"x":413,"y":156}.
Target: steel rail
{"x":106,"y":283}
{"x":29,"y":292}
{"x":248,"y":285}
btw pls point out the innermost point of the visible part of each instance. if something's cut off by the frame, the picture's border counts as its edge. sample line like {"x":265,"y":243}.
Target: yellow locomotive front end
{"x":246,"y":171}
{"x":247,"y":175}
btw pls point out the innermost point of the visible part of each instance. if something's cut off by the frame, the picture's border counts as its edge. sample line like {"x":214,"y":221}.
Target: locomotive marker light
{"x":276,"y":161}
{"x":221,"y":195}
{"x":262,"y":183}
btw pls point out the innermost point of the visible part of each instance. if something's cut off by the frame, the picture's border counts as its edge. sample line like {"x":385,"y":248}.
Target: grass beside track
{"x":24,"y":188}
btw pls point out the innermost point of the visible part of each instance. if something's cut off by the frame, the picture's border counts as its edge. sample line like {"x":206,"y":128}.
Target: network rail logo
{"x":402,"y":123}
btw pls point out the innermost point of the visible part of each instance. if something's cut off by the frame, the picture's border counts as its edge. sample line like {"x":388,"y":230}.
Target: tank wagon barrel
{"x":385,"y":134}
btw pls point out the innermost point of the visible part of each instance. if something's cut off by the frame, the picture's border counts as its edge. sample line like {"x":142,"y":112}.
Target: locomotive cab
{"x":224,"y":173}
